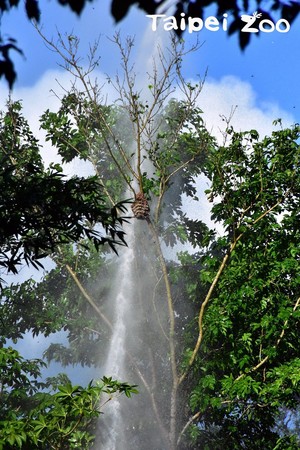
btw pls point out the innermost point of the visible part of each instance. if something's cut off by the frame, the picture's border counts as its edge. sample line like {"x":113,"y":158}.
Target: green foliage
{"x":249,"y":359}
{"x":32,"y":418}
{"x":181,"y":147}
{"x":41,"y":208}
{"x":230,"y":323}
{"x":82,"y":128}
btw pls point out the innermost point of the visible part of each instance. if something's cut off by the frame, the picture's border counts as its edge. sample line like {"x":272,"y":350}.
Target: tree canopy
{"x":37,"y":414}
{"x":41,"y":212}
{"x":40,"y":208}
{"x":214,"y":339}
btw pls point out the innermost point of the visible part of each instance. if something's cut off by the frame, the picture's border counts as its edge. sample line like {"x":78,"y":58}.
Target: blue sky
{"x":270,"y":64}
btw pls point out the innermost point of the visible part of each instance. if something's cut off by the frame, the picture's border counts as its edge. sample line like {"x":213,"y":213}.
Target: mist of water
{"x":136,"y":352}
{"x":121,"y":302}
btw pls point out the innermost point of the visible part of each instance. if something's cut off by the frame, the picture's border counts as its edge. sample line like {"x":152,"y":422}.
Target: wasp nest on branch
{"x":140,"y":207}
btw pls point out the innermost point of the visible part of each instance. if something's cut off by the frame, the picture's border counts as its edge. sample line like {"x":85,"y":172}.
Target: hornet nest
{"x":140,"y":207}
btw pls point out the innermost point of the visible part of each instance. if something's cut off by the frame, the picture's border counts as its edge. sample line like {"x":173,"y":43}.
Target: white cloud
{"x":217,"y":99}
{"x":220,"y":98}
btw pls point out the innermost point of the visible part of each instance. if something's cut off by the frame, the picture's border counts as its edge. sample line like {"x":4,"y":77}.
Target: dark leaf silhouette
{"x":32,"y":9}
{"x":119,"y":9}
{"x":40,"y":208}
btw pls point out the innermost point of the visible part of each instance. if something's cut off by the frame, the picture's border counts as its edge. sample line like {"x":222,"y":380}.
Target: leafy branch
{"x":214,"y":284}
{"x":266,"y":358}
